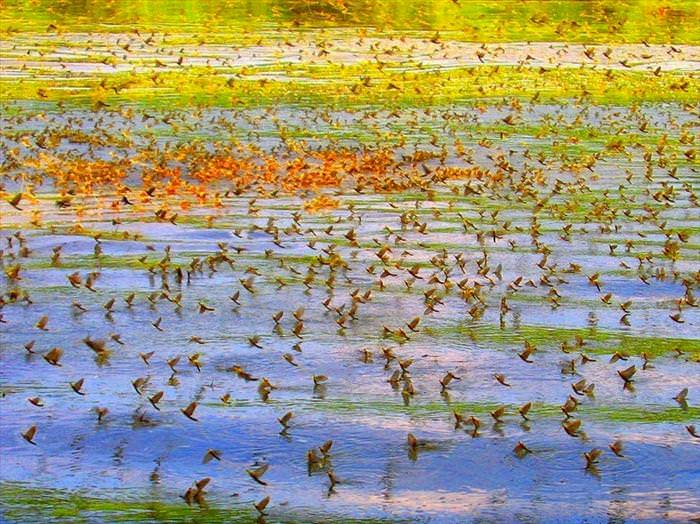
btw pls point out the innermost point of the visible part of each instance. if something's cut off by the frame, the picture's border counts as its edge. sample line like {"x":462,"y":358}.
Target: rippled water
{"x":137,"y":463}
{"x":458,"y":476}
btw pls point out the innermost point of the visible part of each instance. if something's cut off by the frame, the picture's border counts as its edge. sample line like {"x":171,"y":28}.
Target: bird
{"x":129,"y":299}
{"x":211,"y":454}
{"x":15,"y":201}
{"x":313,"y":459}
{"x":284,"y":419}
{"x":569,"y":406}
{"x":498,"y":413}
{"x":412,"y":442}
{"x":98,"y":346}
{"x":42,"y":322}
{"x":193,"y":359}
{"x":189,"y":411}
{"x":29,"y":435}
{"x":627,"y":373}
{"x":204,"y":308}
{"x":449,"y":377}
{"x":235,"y":298}
{"x":139,"y":383}
{"x":196,"y":492}
{"x":572,"y":427}
{"x":582,"y":387}
{"x":413,"y":324}
{"x":618,"y":356}
{"x":75,"y":279}
{"x":54,"y":356}
{"x":257,"y":473}
{"x":682,"y":396}
{"x":101,"y":413}
{"x":262,"y":504}
{"x":333,"y":479}
{"x":325,"y":448}
{"x":677,"y":318}
{"x":476,"y":424}
{"x":521,"y":449}
{"x":172,"y":363}
{"x":290,"y":358}
{"x":77,"y":386}
{"x":156,"y":398}
{"x":527,"y":352}
{"x":501,"y":378}
{"x":524,"y":410}
{"x":592,"y":457}
{"x":616,"y":448}
{"x":594,"y":280}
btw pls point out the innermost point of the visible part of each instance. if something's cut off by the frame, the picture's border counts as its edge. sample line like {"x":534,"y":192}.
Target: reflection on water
{"x":304,"y":286}
{"x":140,"y":453}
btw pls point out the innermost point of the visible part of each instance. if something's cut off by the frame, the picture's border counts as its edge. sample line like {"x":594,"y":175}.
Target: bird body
{"x":189,"y":411}
{"x":29,"y":435}
{"x":257,"y":473}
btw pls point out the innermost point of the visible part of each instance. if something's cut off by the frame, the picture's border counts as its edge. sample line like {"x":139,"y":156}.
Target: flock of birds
{"x":145,"y":181}
{"x":472,"y":279}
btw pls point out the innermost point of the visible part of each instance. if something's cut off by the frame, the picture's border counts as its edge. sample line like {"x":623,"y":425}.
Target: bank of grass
{"x":339,"y":86}
{"x":241,"y":21}
{"x":597,"y":341}
{"x":651,"y":414}
{"x":20,"y":503}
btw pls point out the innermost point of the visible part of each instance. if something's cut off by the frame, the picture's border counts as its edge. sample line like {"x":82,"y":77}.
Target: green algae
{"x":651,"y":414}
{"x":239,"y":21}
{"x":597,"y":340}
{"x":210,"y":88}
{"x":20,"y":503}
